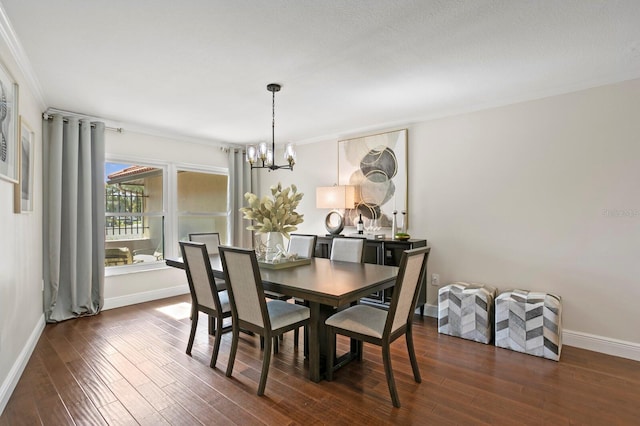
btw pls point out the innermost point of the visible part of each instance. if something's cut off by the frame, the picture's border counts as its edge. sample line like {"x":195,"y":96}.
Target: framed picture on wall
{"x":23,"y":190}
{"x":377,"y":166}
{"x":8,"y":127}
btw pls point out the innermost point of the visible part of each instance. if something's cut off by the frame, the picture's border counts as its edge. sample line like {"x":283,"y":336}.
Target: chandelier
{"x":261,"y":157}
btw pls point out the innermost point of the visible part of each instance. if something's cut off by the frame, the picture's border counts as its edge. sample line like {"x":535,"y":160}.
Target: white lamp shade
{"x":336,"y":197}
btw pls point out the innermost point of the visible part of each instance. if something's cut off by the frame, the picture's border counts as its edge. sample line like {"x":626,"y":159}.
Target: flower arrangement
{"x":274,"y":215}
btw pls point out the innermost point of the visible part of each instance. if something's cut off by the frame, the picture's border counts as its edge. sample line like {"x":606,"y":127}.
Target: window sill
{"x":111,"y":271}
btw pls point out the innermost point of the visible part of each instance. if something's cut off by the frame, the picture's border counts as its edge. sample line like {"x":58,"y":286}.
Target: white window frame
{"x":187,"y":167}
{"x":169,"y":206}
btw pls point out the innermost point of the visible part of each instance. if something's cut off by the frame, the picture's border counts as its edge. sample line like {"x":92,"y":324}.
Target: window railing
{"x":124,"y":212}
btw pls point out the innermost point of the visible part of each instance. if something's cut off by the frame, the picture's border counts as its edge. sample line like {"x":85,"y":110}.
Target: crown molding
{"x":11,"y":39}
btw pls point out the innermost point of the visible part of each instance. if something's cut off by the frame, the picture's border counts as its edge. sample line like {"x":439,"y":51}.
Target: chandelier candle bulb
{"x":290,"y":154}
{"x":252,"y":154}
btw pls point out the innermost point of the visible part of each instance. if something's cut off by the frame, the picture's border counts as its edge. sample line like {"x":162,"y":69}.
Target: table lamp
{"x":338,"y":198}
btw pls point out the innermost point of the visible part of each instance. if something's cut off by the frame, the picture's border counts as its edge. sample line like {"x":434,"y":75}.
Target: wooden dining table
{"x":324,"y":285}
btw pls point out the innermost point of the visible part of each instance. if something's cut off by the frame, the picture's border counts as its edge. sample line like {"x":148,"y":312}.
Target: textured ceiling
{"x":199,"y":68}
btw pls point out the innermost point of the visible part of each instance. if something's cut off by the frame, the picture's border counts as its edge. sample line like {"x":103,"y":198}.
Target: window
{"x":150,"y":206}
{"x":202,"y":203}
{"x":134,"y":223}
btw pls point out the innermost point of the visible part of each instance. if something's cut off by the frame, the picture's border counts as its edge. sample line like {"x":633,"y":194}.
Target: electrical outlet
{"x":435,"y":279}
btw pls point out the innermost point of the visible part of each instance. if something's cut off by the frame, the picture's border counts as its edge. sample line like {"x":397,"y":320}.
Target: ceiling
{"x":199,"y":68}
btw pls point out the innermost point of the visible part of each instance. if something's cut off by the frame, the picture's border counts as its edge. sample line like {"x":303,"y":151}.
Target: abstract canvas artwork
{"x":8,"y":127}
{"x":377,"y":166}
{"x":23,"y":191}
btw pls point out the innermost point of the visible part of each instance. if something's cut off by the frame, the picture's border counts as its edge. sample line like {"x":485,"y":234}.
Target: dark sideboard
{"x":381,"y":252}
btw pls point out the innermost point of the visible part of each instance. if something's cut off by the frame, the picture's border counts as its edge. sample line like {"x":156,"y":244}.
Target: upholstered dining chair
{"x":205,"y":297}
{"x":211,"y":239}
{"x":277,"y":296}
{"x":348,"y":249}
{"x":303,"y":245}
{"x":381,"y":327}
{"x":251,"y":311}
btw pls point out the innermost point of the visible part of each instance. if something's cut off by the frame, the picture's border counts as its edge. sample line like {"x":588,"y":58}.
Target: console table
{"x":382,"y":252}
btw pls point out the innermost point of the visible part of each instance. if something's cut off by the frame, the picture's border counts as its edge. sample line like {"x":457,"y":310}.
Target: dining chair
{"x":348,"y":249}
{"x":205,"y":297}
{"x":276,"y":296}
{"x":303,"y":245}
{"x":251,"y":311}
{"x":211,"y":239}
{"x":380,"y":327}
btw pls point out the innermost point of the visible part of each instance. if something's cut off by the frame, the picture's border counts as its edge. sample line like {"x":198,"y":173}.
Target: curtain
{"x":73,"y":217}
{"x":239,"y":184}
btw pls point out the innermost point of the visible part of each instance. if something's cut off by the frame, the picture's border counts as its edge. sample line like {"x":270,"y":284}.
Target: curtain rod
{"x":46,"y":116}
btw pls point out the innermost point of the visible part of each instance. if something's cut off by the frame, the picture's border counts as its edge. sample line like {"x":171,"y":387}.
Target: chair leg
{"x":275,"y":344}
{"x":412,"y":356}
{"x":386,"y":360}
{"x":194,"y":325}
{"x":234,"y":347}
{"x":266,"y":360}
{"x":360,"y":350}
{"x":306,"y":341}
{"x":212,"y":327}
{"x":296,"y":337}
{"x":331,"y":348}
{"x":216,"y":342}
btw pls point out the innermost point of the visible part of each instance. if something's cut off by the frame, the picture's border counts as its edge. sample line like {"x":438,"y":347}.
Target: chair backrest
{"x":413,"y":266}
{"x":202,"y":284}
{"x":348,"y":249}
{"x":211,"y":239}
{"x":244,"y":286}
{"x":303,"y":245}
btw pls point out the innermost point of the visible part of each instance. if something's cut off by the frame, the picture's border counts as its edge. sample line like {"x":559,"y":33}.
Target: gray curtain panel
{"x":239,"y":184}
{"x":73,"y":223}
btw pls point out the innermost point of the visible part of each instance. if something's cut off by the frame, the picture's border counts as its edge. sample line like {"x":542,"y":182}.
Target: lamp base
{"x":334,"y":222}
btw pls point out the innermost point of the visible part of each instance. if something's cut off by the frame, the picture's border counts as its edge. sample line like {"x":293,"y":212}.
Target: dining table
{"x":324,"y":285}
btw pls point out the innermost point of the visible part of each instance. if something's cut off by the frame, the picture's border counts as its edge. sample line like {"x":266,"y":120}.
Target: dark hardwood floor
{"x":128,"y":366}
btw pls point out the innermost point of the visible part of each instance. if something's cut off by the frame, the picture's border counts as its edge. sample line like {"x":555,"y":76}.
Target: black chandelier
{"x":261,"y":157}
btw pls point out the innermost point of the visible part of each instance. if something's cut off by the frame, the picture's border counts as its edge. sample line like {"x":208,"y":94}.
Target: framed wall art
{"x":23,"y":190}
{"x":8,"y":127}
{"x":377,"y":166}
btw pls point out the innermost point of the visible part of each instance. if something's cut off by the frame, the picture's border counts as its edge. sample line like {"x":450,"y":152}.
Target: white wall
{"x":526,"y":196}
{"x":317,"y":166}
{"x":523,"y":196}
{"x":21,"y":315}
{"x":120,"y":290}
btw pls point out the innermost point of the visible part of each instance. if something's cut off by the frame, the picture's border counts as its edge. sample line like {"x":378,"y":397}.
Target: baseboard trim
{"x":10,"y":383}
{"x":431,"y":311}
{"x":590,"y":342}
{"x":601,"y":344}
{"x":146,"y":296}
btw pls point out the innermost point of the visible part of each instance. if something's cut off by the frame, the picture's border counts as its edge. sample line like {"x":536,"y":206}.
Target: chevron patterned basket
{"x":466,"y":310}
{"x":529,"y":322}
